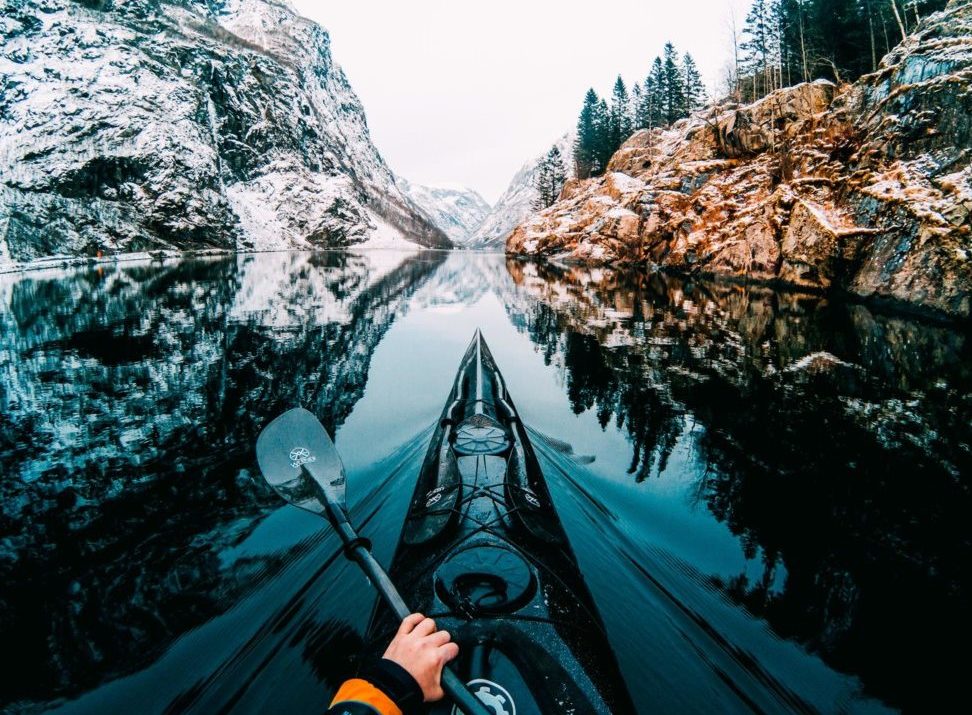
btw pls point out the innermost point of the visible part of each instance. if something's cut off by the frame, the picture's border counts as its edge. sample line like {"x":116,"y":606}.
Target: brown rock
{"x":811,"y":247}
{"x":753,"y":129}
{"x":572,"y":188}
{"x":636,"y":155}
{"x":868,"y":188}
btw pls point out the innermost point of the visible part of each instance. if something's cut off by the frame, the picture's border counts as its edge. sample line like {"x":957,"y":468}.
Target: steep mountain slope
{"x":183,"y":124}
{"x":516,"y":203}
{"x":865,"y":188}
{"x":457,"y":211}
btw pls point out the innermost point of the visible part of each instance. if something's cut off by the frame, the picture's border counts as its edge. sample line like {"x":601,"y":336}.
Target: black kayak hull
{"x":484,"y":554}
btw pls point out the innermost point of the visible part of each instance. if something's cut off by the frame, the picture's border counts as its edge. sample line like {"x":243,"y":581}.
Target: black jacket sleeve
{"x":392,"y":680}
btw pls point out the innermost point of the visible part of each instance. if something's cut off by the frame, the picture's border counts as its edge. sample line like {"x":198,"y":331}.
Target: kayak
{"x":483,"y":553}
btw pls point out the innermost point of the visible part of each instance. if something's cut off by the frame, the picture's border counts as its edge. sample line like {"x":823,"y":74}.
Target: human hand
{"x":423,"y":652}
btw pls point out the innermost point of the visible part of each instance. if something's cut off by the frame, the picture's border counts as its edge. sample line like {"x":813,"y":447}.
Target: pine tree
{"x":558,"y":171}
{"x":605,"y":147}
{"x":674,"y":107}
{"x":643,"y":110}
{"x":586,"y":148}
{"x":634,"y":116}
{"x":658,"y":93}
{"x":541,"y":180}
{"x":620,"y":122}
{"x":755,"y":47}
{"x":695,"y":94}
{"x":549,"y":179}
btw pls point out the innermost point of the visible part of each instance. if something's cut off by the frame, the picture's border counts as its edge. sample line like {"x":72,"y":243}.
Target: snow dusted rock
{"x":916,"y":116}
{"x":141,"y":124}
{"x":865,"y":188}
{"x":816,"y":243}
{"x":457,"y":211}
{"x":750,"y":130}
{"x":516,"y":203}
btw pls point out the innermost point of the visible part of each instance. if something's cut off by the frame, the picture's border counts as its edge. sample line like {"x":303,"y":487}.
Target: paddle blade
{"x":294,"y":446}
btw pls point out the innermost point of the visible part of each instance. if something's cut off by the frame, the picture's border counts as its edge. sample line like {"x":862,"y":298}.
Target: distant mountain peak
{"x":457,"y":210}
{"x":516,"y":203}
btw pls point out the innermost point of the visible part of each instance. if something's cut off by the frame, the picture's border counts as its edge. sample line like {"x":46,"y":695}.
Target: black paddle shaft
{"x":357,"y":550}
{"x":299,"y":460}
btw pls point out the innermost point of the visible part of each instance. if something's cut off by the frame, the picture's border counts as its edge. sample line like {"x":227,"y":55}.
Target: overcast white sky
{"x":461,"y":92}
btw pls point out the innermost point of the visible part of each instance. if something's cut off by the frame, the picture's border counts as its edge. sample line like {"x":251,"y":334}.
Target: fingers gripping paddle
{"x":303,"y":466}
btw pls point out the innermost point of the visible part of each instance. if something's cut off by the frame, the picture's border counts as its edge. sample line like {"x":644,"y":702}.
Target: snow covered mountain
{"x":142,"y":124}
{"x":457,"y":211}
{"x":516,"y":203}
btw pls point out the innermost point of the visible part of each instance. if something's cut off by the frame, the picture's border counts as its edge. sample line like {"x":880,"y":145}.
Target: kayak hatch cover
{"x":483,"y":552}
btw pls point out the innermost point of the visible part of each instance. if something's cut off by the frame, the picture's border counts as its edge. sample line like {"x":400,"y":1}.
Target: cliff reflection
{"x":130,"y":399}
{"x":832,"y":440}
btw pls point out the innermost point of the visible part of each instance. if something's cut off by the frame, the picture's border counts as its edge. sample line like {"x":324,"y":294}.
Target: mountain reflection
{"x":131,"y":398}
{"x":832,"y":440}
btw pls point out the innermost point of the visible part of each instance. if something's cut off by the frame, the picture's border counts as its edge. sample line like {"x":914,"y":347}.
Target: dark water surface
{"x":778,"y":517}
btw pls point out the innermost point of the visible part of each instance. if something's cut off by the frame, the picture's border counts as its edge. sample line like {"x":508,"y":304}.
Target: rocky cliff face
{"x":138,"y":124}
{"x":457,"y":211}
{"x":516,"y":203}
{"x":865,"y":188}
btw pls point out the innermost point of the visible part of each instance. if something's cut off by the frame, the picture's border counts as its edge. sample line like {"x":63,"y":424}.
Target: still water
{"x":776,"y":518}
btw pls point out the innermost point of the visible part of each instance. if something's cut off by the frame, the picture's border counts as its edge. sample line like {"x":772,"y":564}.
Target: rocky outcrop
{"x":865,"y":188}
{"x":516,"y":203}
{"x":457,"y":211}
{"x":148,"y":124}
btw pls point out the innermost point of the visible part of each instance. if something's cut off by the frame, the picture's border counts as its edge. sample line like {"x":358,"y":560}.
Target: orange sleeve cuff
{"x":361,"y":691}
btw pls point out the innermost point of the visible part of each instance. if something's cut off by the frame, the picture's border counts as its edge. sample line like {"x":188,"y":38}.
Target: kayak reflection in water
{"x":408,"y":674}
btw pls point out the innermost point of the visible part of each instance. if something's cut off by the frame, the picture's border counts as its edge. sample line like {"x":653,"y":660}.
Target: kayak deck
{"x":484,"y":553}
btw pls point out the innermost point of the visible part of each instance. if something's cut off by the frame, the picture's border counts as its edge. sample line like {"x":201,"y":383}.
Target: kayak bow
{"x":484,"y":554}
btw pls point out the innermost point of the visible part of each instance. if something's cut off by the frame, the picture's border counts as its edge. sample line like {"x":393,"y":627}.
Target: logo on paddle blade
{"x":300,"y":456}
{"x":494,"y":696}
{"x":433,"y":496}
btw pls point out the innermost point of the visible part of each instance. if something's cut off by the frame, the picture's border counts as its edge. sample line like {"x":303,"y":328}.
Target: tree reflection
{"x":832,"y":440}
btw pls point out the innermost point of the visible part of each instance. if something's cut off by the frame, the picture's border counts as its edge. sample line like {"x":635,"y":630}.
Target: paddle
{"x":303,"y":466}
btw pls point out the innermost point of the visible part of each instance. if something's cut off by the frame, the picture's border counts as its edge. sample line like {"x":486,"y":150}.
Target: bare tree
{"x":734,"y":38}
{"x":897,"y":16}
{"x":833,"y":67}
{"x":803,"y":44}
{"x":884,"y":29}
{"x":870,"y":28}
{"x":914,"y":8}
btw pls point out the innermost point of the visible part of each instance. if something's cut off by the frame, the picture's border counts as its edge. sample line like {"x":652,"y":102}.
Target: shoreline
{"x":878,"y":303}
{"x":64,"y":262}
{"x":881,"y":304}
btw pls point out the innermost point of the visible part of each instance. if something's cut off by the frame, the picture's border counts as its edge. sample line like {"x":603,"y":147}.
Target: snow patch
{"x":816,"y":361}
{"x":386,"y":237}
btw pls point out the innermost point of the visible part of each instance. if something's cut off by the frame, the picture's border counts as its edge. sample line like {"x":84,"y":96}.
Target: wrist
{"x":396,"y":682}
